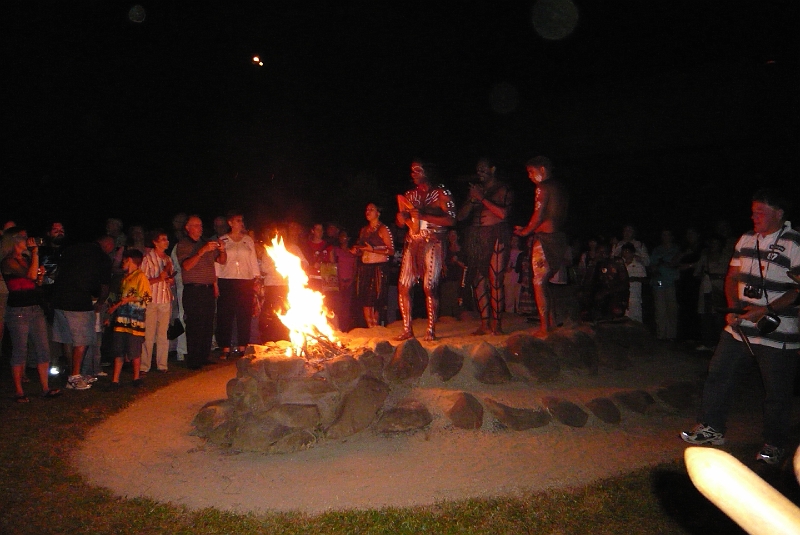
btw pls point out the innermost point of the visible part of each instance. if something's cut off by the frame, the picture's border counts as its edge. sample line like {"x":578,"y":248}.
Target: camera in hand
{"x":753,"y":292}
{"x":768,"y":323}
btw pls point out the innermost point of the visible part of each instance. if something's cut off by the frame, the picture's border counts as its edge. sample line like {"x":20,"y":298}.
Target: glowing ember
{"x":307,"y":318}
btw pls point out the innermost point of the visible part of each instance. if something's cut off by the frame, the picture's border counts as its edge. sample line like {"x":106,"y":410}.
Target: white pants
{"x":666,"y":305}
{"x":156,"y":322}
{"x":512,"y":289}
{"x":635,"y":302}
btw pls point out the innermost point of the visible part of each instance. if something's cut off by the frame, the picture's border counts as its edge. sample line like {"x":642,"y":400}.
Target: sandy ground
{"x":146,"y":450}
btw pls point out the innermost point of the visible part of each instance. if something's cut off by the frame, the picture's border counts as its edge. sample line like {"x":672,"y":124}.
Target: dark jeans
{"x":778,"y":367}
{"x":198,"y":307}
{"x":235,"y":301}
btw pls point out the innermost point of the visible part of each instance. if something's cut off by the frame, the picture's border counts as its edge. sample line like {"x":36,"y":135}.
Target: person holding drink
{"x":197,"y":257}
{"x":24,"y":315}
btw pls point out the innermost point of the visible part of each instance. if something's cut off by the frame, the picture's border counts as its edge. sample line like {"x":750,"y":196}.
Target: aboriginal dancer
{"x":427,"y":210}
{"x":550,"y":242}
{"x":488,"y":244}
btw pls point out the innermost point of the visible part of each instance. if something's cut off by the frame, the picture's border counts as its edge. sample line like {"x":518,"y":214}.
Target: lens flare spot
{"x":554,"y":19}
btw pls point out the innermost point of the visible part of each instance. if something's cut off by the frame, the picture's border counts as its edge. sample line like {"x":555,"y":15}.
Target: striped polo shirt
{"x":203,"y":272}
{"x":779,"y":252}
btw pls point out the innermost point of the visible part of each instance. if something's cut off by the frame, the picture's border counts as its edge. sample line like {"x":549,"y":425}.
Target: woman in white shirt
{"x":236,"y":279}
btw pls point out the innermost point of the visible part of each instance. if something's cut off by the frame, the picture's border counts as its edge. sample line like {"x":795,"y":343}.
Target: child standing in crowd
{"x":129,"y":320}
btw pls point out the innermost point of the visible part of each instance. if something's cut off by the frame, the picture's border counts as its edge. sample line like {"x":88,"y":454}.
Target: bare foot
{"x":497,"y":327}
{"x":405,"y":335}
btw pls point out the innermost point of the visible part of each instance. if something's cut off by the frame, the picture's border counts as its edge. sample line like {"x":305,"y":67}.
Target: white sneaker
{"x":76,"y":382}
{"x":89,"y":378}
{"x":770,"y":454}
{"x":703,"y":434}
{"x":101,"y":374}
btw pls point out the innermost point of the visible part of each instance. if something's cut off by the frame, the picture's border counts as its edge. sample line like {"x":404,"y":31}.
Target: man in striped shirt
{"x":197,"y":257}
{"x":759,"y":286}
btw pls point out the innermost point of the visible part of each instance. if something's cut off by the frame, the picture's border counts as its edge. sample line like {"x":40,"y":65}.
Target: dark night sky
{"x":658,"y":113}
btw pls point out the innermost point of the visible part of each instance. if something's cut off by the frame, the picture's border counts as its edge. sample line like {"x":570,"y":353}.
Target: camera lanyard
{"x":761,"y":270}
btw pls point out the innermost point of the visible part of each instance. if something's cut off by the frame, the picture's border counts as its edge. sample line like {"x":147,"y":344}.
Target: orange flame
{"x":306,"y":318}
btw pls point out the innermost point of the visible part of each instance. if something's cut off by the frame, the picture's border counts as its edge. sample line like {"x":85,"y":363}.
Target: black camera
{"x":768,"y":323}
{"x":753,"y":292}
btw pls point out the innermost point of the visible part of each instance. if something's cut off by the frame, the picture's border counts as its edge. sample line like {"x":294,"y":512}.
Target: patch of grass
{"x":40,"y":492}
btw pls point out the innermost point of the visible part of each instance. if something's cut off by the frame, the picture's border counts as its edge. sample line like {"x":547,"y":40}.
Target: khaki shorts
{"x":74,"y":327}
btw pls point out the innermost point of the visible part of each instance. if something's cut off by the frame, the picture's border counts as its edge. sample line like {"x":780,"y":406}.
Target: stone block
{"x":250,"y":367}
{"x":296,"y":440}
{"x":258,"y":434}
{"x":565,"y":411}
{"x":311,"y":391}
{"x":408,"y":361}
{"x":605,"y":410}
{"x":516,"y":418}
{"x":268,"y":390}
{"x":490,"y":368}
{"x":358,"y":408}
{"x":304,"y":390}
{"x":295,"y":415}
{"x":371,"y":361}
{"x":530,"y":359}
{"x":237,"y":388}
{"x":279,"y":367}
{"x":445,"y":363}
{"x":222,"y":435}
{"x":343,"y":371}
{"x":211,"y":415}
{"x":466,"y":411}
{"x":384,"y":349}
{"x":408,"y":415}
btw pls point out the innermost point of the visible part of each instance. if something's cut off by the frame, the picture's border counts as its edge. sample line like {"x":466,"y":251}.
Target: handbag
{"x":175,"y":329}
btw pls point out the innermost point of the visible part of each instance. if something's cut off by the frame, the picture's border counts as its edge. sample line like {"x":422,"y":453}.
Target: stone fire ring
{"x":402,"y":424}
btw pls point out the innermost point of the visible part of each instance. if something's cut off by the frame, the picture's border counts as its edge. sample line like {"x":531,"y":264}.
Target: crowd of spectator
{"x":130,"y":297}
{"x":233,"y":291}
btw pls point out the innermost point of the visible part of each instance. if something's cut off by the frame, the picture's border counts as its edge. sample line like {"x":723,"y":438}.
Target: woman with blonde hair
{"x":24,"y":314}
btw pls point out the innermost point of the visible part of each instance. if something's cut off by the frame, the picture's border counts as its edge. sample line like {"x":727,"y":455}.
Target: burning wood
{"x":306,"y":317}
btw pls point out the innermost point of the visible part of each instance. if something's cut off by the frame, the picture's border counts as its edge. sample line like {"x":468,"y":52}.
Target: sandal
{"x":22,"y":398}
{"x":51,"y":393}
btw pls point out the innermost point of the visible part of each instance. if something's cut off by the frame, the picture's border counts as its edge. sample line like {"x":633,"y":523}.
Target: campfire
{"x":306,"y":317}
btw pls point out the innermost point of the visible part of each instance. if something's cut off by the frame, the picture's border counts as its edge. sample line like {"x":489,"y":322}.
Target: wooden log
{"x":750,"y":501}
